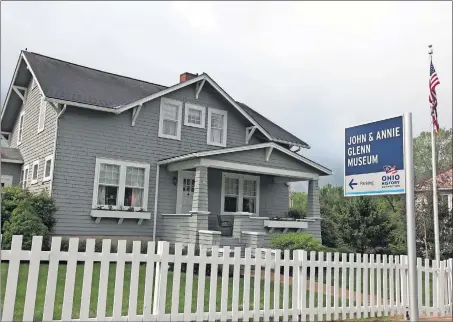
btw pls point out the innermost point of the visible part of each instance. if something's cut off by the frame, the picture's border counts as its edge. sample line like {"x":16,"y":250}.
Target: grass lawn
{"x":42,"y":281}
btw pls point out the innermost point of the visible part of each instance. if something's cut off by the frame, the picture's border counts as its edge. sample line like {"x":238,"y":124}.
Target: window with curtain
{"x":217,"y":127}
{"x":240,"y":193}
{"x":109,"y":183}
{"x":170,"y":119}
{"x":121,"y":184}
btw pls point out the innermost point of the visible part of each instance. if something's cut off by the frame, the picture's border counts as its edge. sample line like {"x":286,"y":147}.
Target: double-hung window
{"x":120,"y":184}
{"x":34,"y":172}
{"x":24,"y":177}
{"x":170,"y":119}
{"x":42,"y":115}
{"x":194,"y":115}
{"x":48,"y":168}
{"x":217,"y":127}
{"x":20,"y":131}
{"x":240,"y":193}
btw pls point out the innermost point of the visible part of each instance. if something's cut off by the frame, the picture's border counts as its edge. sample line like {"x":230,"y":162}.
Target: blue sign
{"x":374,"y":158}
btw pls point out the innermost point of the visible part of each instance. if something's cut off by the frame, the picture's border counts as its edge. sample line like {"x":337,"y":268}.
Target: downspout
{"x":55,"y":147}
{"x":156,"y":196}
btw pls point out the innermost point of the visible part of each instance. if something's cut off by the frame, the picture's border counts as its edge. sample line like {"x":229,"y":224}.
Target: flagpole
{"x":434,"y":184}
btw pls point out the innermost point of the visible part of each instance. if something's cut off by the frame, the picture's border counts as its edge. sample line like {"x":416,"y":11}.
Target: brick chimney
{"x":186,"y":76}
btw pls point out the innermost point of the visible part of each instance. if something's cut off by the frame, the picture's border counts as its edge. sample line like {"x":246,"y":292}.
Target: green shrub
{"x":295,"y":241}
{"x":42,"y":204}
{"x":24,"y":221}
{"x":11,"y":197}
{"x":45,"y":208}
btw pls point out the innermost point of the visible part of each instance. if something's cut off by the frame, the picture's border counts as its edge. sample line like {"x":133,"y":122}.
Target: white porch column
{"x":313,"y":199}
{"x":200,"y":199}
{"x":200,"y":194}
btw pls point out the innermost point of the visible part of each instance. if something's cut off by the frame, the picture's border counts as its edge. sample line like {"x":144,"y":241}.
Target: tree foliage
{"x":422,"y":153}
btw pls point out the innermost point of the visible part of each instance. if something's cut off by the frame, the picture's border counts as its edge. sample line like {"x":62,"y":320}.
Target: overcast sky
{"x":312,"y":67}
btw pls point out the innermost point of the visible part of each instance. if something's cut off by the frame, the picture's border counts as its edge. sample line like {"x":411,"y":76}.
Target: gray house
{"x":125,"y":158}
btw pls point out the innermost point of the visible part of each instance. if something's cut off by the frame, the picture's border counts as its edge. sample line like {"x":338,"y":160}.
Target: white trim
{"x":20,"y":131}
{"x":88,"y":106}
{"x":268,"y":153}
{"x":224,"y":128}
{"x":179,"y":194}
{"x":248,"y":133}
{"x":164,"y":101}
{"x":241,"y":178}
{"x":247,"y":148}
{"x":210,"y":232}
{"x":234,"y":166}
{"x":49,"y":177}
{"x":135,"y":112}
{"x":159,"y":94}
{"x":200,"y":108}
{"x":122,"y":181}
{"x":199,"y":87}
{"x":12,"y":161}
{"x":60,"y":113}
{"x":253,"y":233}
{"x":34,"y":181}
{"x":42,"y":113}
{"x":177,"y":215}
{"x":284,"y":224}
{"x":16,"y":89}
{"x":120,"y":215}
{"x":22,"y":180}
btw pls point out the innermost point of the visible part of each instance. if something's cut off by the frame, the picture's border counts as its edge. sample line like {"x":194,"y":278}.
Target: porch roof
{"x":276,"y":160}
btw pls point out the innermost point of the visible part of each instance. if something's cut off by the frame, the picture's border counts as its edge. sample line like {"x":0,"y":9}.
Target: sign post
{"x":379,"y":161}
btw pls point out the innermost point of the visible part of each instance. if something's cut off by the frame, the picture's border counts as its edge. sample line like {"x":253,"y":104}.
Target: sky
{"x":314,"y":68}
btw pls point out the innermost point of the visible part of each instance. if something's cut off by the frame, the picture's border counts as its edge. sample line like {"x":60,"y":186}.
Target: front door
{"x":186,"y":185}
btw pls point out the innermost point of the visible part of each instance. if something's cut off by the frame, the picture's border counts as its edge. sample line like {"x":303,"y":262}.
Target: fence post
{"x":450,"y":283}
{"x":158,"y":279}
{"x":297,"y":270}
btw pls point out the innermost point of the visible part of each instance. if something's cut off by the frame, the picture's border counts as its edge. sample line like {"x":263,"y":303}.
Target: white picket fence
{"x":241,"y":285}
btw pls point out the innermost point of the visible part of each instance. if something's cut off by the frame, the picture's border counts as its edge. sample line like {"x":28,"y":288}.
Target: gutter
{"x":88,"y":106}
{"x":55,"y":147}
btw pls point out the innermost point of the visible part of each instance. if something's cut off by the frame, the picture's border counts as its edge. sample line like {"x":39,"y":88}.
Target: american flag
{"x":433,"y":82}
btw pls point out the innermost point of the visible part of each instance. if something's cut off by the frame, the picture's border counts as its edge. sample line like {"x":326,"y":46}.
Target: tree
{"x":300,"y":201}
{"x":422,"y":153}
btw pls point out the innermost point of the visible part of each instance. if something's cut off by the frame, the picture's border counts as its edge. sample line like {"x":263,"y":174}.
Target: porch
{"x":222,"y":200}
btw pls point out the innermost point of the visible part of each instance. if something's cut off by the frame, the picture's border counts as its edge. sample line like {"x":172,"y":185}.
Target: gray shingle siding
{"x":35,"y":146}
{"x":12,"y":169}
{"x":84,"y":135}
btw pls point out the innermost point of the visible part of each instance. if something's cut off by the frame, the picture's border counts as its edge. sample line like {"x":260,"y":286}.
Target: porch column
{"x":200,"y":193}
{"x":200,"y":199}
{"x":313,"y":199}
{"x":314,"y":211}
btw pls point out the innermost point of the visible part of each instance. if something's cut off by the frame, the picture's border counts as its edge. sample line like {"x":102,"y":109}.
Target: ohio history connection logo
{"x":391,"y":177}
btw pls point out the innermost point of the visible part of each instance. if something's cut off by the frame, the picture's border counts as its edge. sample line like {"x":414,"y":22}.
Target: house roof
{"x":71,"y":82}
{"x":11,"y":155}
{"x":272,"y":145}
{"x":273,"y":129}
{"x":75,"y":83}
{"x":444,"y":181}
